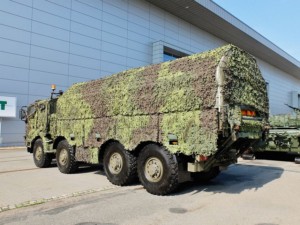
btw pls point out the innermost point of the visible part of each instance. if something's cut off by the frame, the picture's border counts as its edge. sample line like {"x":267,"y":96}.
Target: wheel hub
{"x":38,"y":153}
{"x":153,"y":169}
{"x":115,"y":163}
{"x":63,"y":157}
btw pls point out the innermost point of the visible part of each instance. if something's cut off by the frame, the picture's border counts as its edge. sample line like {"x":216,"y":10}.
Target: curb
{"x":45,"y":200}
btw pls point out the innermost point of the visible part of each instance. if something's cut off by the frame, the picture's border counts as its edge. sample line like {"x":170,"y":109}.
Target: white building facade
{"x":44,"y":42}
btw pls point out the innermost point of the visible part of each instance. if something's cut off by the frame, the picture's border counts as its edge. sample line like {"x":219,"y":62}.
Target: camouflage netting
{"x":285,"y":120}
{"x":148,"y":103}
{"x":36,"y":127}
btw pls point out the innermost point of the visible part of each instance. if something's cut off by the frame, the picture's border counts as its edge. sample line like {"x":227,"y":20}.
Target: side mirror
{"x":23,"y":113}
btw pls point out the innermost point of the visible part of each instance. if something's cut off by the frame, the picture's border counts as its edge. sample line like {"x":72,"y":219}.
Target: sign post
{"x":8,"y":108}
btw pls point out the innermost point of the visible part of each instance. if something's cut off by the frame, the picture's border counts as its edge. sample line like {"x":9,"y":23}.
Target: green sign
{"x":2,"y":105}
{"x":8,"y":106}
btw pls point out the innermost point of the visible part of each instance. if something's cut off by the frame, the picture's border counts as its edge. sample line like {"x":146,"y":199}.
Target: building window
{"x":295,"y":99}
{"x":169,"y":57}
{"x":171,"y":54}
{"x":163,"y":52}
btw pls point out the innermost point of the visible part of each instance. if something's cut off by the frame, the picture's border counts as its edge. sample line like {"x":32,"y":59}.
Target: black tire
{"x":206,"y":176}
{"x":119,"y":164}
{"x":65,"y":158}
{"x":40,"y":158}
{"x":158,"y":170}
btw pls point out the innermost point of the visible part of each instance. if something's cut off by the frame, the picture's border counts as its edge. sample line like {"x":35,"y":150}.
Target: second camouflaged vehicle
{"x":283,"y":136}
{"x":193,"y":115}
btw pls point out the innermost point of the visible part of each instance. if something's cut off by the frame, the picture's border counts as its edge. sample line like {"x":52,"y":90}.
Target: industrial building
{"x":44,"y":42}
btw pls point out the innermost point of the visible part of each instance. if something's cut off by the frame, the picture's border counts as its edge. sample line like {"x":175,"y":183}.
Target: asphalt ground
{"x":23,"y":184}
{"x":259,"y":192}
{"x":251,"y":192}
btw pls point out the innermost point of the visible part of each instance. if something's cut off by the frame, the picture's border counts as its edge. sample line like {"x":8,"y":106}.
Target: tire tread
{"x":130,"y":162}
{"x":72,"y":167}
{"x":47,"y":158}
{"x":172,"y":166}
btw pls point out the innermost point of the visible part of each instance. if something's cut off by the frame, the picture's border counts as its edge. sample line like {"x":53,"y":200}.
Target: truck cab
{"x":39,"y":118}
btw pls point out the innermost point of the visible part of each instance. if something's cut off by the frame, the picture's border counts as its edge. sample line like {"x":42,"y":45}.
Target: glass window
{"x":31,"y":110}
{"x":171,"y":54}
{"x":169,"y":57}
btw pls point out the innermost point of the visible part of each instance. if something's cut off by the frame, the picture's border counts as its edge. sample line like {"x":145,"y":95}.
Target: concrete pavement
{"x":23,"y":184}
{"x":256,"y":192}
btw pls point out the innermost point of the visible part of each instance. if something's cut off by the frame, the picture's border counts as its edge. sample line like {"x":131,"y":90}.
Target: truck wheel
{"x":40,"y":158}
{"x":65,"y":158}
{"x":119,"y":164}
{"x":158,"y":170}
{"x":206,"y":176}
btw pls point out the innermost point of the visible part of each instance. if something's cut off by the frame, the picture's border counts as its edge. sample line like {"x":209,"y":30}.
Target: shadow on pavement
{"x":278,"y":156}
{"x":235,"y":180}
{"x":82,"y":168}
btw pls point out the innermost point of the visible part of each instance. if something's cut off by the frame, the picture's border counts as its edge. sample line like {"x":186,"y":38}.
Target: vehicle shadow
{"x":87,"y":169}
{"x":82,"y":168}
{"x":278,"y":156}
{"x":235,"y":180}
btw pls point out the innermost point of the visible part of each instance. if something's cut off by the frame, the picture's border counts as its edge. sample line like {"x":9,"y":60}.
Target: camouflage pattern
{"x":284,"y":134}
{"x":285,"y":120}
{"x":186,"y":98}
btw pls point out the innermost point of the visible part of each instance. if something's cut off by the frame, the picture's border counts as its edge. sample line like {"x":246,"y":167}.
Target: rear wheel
{"x":158,"y":170}
{"x":65,"y":158}
{"x":119,"y":164}
{"x":40,"y":158}
{"x":207,"y":175}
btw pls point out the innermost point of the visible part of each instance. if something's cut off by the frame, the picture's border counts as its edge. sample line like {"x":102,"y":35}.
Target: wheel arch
{"x":30,"y":149}
{"x":103,"y":147}
{"x":143,"y":144}
{"x":136,"y":151}
{"x":57,"y":140}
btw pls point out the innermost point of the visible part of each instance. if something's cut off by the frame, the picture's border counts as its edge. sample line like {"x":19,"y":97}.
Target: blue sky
{"x":277,"y":20}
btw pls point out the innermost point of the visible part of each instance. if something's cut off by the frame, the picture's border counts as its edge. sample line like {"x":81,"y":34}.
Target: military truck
{"x":193,"y":115}
{"x":283,"y":136}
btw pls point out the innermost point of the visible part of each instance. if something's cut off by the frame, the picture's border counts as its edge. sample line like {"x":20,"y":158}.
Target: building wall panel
{"x":281,"y":85}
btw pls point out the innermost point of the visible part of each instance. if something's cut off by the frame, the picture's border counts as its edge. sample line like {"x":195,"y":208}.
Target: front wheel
{"x":158,"y":170}
{"x":40,"y":158}
{"x":65,"y":158}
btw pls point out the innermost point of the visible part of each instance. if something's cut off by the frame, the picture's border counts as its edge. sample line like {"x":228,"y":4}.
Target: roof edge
{"x":209,"y":16}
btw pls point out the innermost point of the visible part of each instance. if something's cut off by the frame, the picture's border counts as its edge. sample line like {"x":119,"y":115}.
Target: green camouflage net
{"x":285,"y":120}
{"x":149,"y":103}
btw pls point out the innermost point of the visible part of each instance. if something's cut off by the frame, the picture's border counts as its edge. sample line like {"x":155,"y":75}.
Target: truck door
{"x":51,"y":120}
{"x":42,"y":117}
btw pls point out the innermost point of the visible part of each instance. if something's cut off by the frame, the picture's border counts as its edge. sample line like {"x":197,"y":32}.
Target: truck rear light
{"x":250,"y":113}
{"x":201,"y":158}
